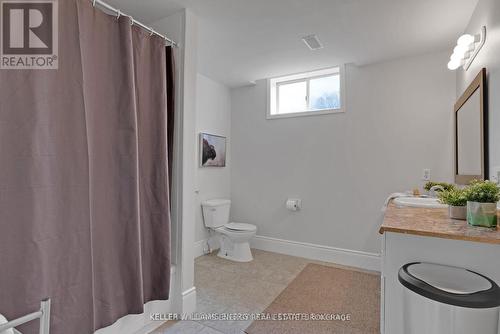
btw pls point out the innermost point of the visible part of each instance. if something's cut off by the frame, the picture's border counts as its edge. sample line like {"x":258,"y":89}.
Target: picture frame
{"x":212,"y":149}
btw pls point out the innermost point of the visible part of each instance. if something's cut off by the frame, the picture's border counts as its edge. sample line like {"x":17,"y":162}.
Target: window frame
{"x":273,"y":85}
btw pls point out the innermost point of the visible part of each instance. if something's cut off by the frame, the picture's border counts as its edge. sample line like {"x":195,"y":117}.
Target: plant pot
{"x":482,"y":214}
{"x":457,"y":212}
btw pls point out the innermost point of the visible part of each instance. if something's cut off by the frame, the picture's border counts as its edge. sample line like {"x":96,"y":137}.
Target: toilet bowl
{"x":234,"y":237}
{"x":234,"y":241}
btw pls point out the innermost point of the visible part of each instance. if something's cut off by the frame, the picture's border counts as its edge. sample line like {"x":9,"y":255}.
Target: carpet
{"x":324,"y":299}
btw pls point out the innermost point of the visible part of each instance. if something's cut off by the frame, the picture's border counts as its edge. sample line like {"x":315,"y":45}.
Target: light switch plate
{"x":426,"y":174}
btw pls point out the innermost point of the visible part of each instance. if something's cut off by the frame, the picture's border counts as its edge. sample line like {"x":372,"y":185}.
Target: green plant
{"x":453,"y":197}
{"x":446,"y":186}
{"x":483,"y":192}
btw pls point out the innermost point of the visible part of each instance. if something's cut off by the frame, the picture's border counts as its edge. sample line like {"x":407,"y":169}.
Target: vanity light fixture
{"x":466,"y":50}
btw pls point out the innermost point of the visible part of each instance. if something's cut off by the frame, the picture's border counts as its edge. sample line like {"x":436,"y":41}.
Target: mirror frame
{"x":479,"y":82}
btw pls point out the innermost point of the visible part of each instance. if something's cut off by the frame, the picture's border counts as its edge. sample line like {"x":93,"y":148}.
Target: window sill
{"x":306,"y":113}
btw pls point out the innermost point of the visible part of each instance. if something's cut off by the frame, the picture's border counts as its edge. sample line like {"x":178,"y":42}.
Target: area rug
{"x":324,"y":299}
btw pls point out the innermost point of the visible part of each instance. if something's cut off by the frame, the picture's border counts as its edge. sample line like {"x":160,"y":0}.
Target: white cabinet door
{"x":399,"y":249}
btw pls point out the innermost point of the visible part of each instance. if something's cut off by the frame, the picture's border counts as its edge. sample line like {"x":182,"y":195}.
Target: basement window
{"x":312,"y":93}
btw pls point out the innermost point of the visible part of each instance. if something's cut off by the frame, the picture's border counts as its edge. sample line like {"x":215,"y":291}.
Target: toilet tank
{"x":216,"y":212}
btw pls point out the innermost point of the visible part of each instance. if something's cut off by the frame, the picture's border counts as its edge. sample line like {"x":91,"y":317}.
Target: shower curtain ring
{"x":131,"y":20}
{"x":152,"y":32}
{"x":93,"y":3}
{"x":118,"y":14}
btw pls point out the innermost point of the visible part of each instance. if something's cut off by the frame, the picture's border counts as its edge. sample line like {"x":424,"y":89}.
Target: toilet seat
{"x":240,"y":227}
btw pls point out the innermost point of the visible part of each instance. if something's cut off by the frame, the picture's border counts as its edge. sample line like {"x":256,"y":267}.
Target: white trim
{"x":346,"y":257}
{"x":307,"y":113}
{"x":189,"y":291}
{"x":189,"y":301}
{"x":273,"y":92}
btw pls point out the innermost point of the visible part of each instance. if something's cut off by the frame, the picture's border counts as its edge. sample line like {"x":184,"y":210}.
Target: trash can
{"x":441,"y":299}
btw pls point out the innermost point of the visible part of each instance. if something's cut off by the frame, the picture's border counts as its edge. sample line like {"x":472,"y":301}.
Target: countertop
{"x":434,"y":223}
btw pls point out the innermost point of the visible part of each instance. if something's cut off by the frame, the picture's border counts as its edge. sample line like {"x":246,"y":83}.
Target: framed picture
{"x":212,"y":150}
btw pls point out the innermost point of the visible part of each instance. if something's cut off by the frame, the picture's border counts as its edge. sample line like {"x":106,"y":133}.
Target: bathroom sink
{"x":419,"y":202}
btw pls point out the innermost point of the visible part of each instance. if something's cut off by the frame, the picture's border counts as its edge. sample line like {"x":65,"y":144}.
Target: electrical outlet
{"x":426,"y":174}
{"x":495,"y":175}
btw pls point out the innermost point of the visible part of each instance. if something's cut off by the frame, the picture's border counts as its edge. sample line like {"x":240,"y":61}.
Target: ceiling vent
{"x":312,"y":42}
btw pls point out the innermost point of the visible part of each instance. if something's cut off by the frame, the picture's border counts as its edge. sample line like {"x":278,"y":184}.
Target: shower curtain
{"x":84,"y":185}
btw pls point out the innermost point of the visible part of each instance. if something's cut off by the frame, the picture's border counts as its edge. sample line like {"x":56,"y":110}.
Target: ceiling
{"x":241,"y":41}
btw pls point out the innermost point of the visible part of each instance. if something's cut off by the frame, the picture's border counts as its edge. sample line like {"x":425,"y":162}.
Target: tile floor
{"x":224,"y":286}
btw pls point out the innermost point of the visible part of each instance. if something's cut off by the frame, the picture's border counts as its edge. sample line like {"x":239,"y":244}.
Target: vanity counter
{"x":434,"y":223}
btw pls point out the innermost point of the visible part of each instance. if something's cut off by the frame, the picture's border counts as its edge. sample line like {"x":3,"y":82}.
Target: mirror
{"x":470,"y":132}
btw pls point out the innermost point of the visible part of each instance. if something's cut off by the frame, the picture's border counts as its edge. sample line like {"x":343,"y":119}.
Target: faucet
{"x":434,"y":189}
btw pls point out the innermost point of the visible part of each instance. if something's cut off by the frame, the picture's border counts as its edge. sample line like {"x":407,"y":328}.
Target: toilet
{"x":234,"y":237}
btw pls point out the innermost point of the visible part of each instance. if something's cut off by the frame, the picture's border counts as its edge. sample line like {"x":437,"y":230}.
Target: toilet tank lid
{"x":216,"y":202}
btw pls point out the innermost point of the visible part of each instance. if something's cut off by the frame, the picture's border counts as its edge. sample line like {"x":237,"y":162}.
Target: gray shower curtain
{"x":84,"y":189}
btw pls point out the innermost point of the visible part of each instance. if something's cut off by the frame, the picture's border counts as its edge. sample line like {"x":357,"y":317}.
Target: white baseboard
{"x":346,"y":257}
{"x":189,"y":301}
{"x":199,"y":247}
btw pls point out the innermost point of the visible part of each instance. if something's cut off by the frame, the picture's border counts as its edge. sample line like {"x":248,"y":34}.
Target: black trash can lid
{"x":450,"y":285}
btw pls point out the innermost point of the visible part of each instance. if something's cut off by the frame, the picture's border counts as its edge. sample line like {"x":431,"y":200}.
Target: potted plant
{"x":456,"y":200}
{"x":482,"y":198}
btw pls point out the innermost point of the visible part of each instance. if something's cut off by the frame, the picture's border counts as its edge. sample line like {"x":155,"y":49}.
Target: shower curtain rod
{"x":140,"y":24}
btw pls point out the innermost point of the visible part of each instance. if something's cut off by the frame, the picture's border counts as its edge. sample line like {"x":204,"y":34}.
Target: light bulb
{"x":456,"y":56}
{"x":461,"y":50}
{"x":465,"y":40}
{"x":454,"y":64}
{"x":467,"y":55}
